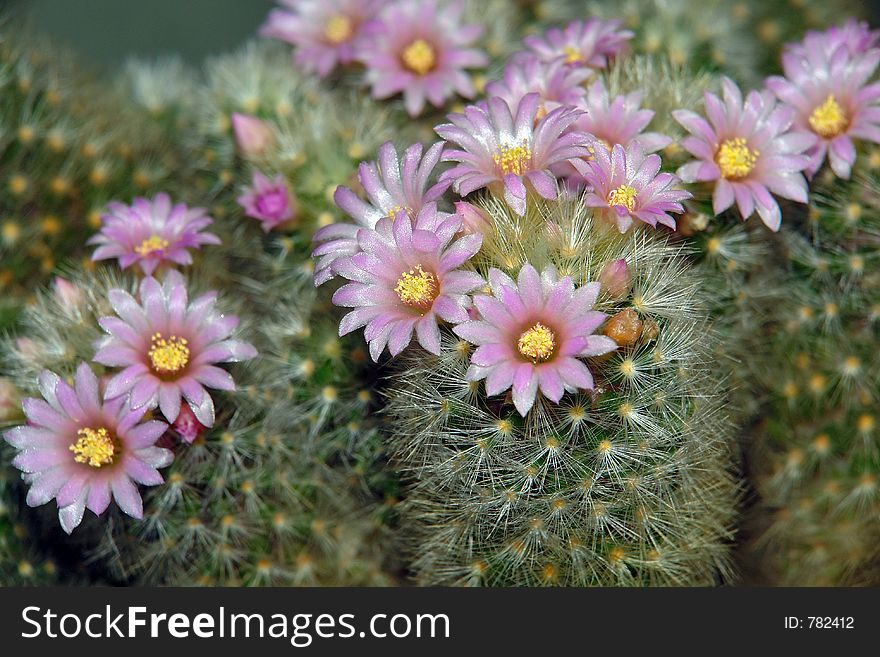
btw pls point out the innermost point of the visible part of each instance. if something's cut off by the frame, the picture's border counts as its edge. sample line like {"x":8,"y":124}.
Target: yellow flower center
{"x":338,"y":29}
{"x":93,"y":446}
{"x":829,"y":119}
{"x":392,"y":213}
{"x":537,"y":343}
{"x":572,"y":55}
{"x":419,"y":57}
{"x":623,"y":195}
{"x":735,"y":159}
{"x":168,"y":356}
{"x":417,"y":288}
{"x":514,"y":159}
{"x":151,"y":245}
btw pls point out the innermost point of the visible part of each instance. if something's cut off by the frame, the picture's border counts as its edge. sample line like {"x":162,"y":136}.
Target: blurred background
{"x":106,"y":32}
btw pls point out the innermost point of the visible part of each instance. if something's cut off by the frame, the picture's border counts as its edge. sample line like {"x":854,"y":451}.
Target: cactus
{"x":68,"y":145}
{"x":628,"y":485}
{"x":815,"y":453}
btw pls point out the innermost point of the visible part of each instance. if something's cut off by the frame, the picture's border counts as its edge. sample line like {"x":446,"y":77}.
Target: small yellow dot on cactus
{"x":831,"y":309}
{"x":822,"y":443}
{"x":604,"y":446}
{"x":790,"y":390}
{"x":616,"y":555}
{"x":26,"y":134}
{"x":852,"y":366}
{"x":818,"y":383}
{"x":865,"y":423}
{"x":329,"y":394}
{"x":194,"y":523}
{"x":857,"y":264}
{"x":853,"y":212}
{"x":628,"y":367}
{"x":25,"y":569}
{"x":626,"y":410}
{"x":307,"y":367}
{"x":795,"y":458}
{"x":18,"y":184}
{"x":247,"y":487}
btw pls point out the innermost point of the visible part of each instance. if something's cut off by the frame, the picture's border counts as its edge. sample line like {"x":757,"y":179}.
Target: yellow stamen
{"x":151,"y":245}
{"x":417,"y":288}
{"x":338,"y":29}
{"x":514,"y":159}
{"x":623,"y":195}
{"x":537,"y":343}
{"x":735,"y":159}
{"x":419,"y":57}
{"x":94,"y":447}
{"x":572,"y":55}
{"x":168,"y":356}
{"x":829,"y":119}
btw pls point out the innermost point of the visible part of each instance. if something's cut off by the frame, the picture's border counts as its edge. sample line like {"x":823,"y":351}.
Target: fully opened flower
{"x":590,"y":43}
{"x":391,"y":186}
{"x":555,"y":82}
{"x":421,"y":48}
{"x":270,"y":201}
{"x":748,"y":150}
{"x":627,"y":185}
{"x":504,"y":152}
{"x":169,"y":348}
{"x":326,"y":33}
{"x":83,"y":451}
{"x":151,"y":232}
{"x":406,"y":279}
{"x":832,"y":100}
{"x":619,"y":120}
{"x":531,"y":334}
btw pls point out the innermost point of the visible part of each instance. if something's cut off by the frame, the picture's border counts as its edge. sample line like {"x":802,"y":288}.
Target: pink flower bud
{"x":615,"y":279}
{"x":186,"y":425}
{"x":28,"y":349}
{"x":68,"y":295}
{"x":253,"y":137}
{"x":475,"y":219}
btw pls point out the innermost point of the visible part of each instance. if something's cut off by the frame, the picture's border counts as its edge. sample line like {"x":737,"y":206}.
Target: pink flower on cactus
{"x":618,"y":121}
{"x":627,"y":185}
{"x":831,"y":100}
{"x":855,"y":36}
{"x":555,"y":82}
{"x":591,"y":43}
{"x":326,"y":33}
{"x":151,"y":233}
{"x":531,"y":333}
{"x":169,"y":348}
{"x":503,"y":152}
{"x":407,"y":278}
{"x":82,"y":451}
{"x":420,"y":48}
{"x":748,"y":150}
{"x":391,"y":186}
{"x":270,"y":201}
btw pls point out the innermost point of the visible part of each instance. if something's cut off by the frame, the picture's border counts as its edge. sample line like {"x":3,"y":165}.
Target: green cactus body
{"x":628,"y":485}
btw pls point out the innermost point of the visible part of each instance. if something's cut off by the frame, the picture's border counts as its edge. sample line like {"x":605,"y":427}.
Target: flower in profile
{"x":326,"y":33}
{"x":748,"y":150}
{"x":591,"y":43}
{"x":503,"y":152}
{"x":151,"y":232}
{"x":627,"y":185}
{"x":406,"y":278}
{"x":270,"y":201}
{"x":391,"y":186}
{"x":169,"y":348}
{"x":253,"y":136}
{"x":531,"y":334}
{"x":831,"y":99}
{"x":82,"y":450}
{"x":555,"y":82}
{"x":421,"y":48}
{"x":855,"y":36}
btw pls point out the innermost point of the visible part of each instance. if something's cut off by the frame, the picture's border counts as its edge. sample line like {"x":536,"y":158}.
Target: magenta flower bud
{"x":475,"y":220}
{"x":253,"y":137}
{"x":68,"y":295}
{"x":270,"y":201}
{"x":187,"y":425}
{"x":615,"y":278}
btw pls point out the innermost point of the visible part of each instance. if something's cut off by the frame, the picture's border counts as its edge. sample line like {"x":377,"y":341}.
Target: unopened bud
{"x":253,"y":137}
{"x":475,"y":219}
{"x":615,"y":279}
